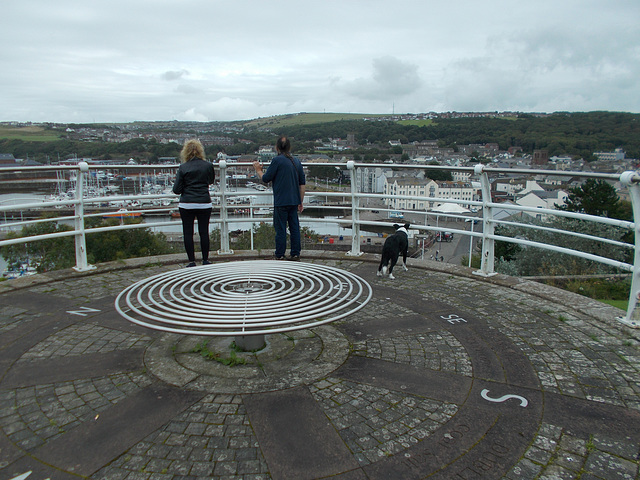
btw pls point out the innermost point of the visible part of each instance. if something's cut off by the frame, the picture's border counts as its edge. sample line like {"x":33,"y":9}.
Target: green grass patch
{"x":621,"y":304}
{"x":417,"y":123}
{"x":613,"y":291}
{"x":306,"y":119}
{"x":599,"y":289}
{"x":29,"y":134}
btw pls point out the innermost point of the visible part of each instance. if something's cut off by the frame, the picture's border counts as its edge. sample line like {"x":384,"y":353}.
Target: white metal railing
{"x":223,"y":196}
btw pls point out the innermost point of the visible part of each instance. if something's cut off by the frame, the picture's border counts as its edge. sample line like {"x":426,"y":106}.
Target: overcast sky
{"x":207,"y":60}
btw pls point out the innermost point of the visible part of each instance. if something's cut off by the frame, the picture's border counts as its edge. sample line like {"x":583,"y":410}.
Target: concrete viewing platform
{"x":442,"y":375}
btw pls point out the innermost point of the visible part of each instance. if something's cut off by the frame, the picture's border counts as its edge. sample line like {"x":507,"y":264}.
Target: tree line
{"x":576,"y":134}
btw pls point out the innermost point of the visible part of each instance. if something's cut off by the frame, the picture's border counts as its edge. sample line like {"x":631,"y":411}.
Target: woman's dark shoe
{"x":206,"y":262}
{"x":192,"y":264}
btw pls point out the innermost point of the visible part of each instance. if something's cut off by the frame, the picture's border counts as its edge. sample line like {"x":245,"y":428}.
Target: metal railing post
{"x":81,"y":244}
{"x":632,"y":319}
{"x":355,"y":212}
{"x":251,"y":217}
{"x":487,"y":266}
{"x":224,"y":219}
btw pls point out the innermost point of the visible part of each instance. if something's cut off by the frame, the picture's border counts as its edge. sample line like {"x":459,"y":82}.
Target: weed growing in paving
{"x":231,"y":361}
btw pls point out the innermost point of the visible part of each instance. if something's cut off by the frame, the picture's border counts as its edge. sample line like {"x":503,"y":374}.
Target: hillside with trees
{"x":576,"y":134}
{"x":563,"y":133}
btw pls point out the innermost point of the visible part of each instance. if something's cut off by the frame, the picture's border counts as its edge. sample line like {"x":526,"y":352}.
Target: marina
{"x":148,"y":199}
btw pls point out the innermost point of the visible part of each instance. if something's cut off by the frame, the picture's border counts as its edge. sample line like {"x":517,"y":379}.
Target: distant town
{"x":542,"y":190}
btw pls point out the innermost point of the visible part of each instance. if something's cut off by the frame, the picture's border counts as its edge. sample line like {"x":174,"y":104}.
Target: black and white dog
{"x":393,"y":246}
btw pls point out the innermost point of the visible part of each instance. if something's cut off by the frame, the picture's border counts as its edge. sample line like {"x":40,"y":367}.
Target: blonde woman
{"x":194,"y":176}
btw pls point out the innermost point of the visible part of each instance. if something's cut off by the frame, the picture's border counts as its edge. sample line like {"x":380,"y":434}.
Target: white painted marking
{"x":452,"y":318}
{"x":82,"y":311}
{"x":523,"y":401}
{"x":24,"y":476}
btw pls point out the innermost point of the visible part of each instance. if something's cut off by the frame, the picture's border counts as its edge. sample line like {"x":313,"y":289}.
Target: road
{"x":454,"y":251}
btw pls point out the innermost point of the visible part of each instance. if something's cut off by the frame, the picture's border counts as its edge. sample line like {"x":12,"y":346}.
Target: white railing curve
{"x":487,"y":235}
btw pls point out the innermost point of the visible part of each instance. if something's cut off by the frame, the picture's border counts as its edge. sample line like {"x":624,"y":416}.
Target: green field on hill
{"x":28,"y":134}
{"x":305,"y":119}
{"x":418,"y":123}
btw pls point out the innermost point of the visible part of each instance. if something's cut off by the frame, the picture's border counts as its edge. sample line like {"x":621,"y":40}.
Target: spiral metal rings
{"x":254,"y":297}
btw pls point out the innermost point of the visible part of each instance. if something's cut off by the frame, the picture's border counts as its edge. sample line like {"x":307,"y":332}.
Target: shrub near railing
{"x":58,"y":252}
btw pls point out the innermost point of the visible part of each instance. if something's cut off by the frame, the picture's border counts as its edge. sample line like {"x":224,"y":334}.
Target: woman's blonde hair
{"x":192,"y":148}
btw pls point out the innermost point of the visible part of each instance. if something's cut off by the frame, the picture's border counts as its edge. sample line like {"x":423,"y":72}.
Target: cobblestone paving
{"x":376,"y":422}
{"x":557,"y":454}
{"x":439,"y":351}
{"x":573,"y":354}
{"x":12,"y":317}
{"x":31,"y":416}
{"x":84,"y":339}
{"x":213,"y":439}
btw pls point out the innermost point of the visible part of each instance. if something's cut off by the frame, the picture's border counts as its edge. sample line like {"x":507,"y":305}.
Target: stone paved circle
{"x":288,"y":360}
{"x":440,"y":375}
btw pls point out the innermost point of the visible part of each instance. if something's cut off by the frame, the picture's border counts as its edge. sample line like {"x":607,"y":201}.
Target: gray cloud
{"x":174,"y":75}
{"x":390,"y":78}
{"x":189,"y":89}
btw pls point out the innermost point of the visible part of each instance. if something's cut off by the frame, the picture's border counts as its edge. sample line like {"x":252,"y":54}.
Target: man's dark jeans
{"x":283,"y":216}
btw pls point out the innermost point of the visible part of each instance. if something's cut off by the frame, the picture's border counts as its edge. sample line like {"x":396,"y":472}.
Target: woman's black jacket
{"x":193,"y":180}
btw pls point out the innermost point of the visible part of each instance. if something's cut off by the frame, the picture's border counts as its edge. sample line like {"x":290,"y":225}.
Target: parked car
{"x":444,"y":236}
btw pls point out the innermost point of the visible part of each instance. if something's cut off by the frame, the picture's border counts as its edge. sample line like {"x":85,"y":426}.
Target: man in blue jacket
{"x":287,"y":175}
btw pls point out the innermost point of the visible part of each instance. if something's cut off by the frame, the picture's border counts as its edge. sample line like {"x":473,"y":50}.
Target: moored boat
{"x":122,"y":212}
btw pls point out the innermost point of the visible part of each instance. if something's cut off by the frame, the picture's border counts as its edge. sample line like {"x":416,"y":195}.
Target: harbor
{"x":149,"y":199}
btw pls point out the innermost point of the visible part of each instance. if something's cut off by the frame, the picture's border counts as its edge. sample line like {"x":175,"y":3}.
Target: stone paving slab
{"x":443,"y":374}
{"x":94,"y":443}
{"x":64,"y":369}
{"x":283,"y":421}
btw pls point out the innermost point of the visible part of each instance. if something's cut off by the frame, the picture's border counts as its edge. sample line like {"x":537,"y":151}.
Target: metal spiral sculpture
{"x":255,"y":297}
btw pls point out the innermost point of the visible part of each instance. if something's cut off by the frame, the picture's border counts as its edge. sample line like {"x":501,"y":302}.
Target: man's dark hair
{"x":283,"y":145}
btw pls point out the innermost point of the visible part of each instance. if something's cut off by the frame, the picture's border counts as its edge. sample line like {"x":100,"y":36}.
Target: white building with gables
{"x":426,"y":189}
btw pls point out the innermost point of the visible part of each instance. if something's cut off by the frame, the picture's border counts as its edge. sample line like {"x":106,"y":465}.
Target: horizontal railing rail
{"x":353,"y":200}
